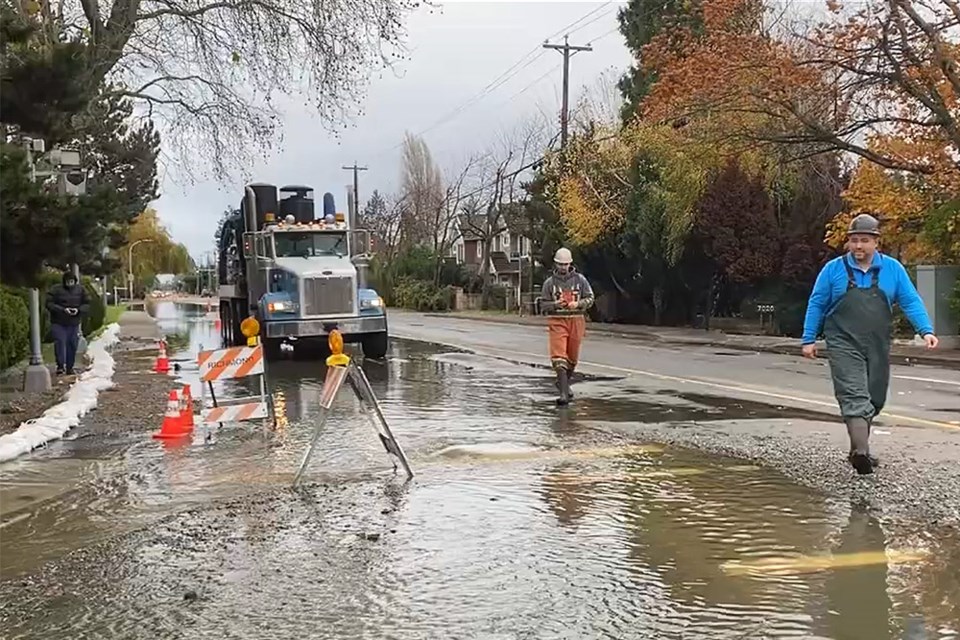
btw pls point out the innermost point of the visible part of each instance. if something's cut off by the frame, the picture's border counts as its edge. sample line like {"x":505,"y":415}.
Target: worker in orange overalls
{"x":565,"y":298}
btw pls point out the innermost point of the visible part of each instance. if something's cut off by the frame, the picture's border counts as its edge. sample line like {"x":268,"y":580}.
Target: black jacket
{"x":61,"y":297}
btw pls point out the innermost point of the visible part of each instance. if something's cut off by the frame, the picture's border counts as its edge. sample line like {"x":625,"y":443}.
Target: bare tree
{"x":501,"y":188}
{"x":599,"y":102}
{"x":444,"y":229}
{"x":211,"y":72}
{"x":383,"y":217}
{"x":422,"y":190}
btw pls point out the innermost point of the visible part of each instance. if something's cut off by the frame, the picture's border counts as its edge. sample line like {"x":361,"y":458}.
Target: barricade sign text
{"x":236,"y":362}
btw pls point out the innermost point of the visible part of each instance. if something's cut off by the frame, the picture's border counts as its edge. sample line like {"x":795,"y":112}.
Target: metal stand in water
{"x":340,"y":368}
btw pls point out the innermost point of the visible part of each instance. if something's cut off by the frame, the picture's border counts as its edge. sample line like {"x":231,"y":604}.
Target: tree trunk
{"x":708,"y":312}
{"x":485,"y":274}
{"x":657,"y":305}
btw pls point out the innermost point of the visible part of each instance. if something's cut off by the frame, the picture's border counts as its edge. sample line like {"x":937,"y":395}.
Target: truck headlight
{"x":371,"y":303}
{"x":280,"y":305}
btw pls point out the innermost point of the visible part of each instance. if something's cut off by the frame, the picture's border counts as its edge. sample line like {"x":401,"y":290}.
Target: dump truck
{"x":300,"y":275}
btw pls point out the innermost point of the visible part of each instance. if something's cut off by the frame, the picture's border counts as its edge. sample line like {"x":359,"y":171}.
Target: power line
{"x":530,"y":165}
{"x":599,"y":17}
{"x":550,"y":72}
{"x":567,"y":50}
{"x":356,"y":190}
{"x":511,"y":72}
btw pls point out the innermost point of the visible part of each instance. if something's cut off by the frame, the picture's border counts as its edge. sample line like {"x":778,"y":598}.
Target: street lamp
{"x":130,"y":266}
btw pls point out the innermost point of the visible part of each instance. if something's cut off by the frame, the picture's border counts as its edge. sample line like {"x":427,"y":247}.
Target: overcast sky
{"x":455,"y":52}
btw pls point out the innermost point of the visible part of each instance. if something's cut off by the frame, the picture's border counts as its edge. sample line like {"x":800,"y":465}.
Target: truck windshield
{"x":310,"y":244}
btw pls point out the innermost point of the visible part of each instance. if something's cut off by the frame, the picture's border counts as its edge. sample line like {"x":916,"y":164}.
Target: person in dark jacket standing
{"x":67,"y":303}
{"x":852,"y":302}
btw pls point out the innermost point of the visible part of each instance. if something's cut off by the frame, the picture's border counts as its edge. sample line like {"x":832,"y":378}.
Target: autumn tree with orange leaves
{"x":879,"y":80}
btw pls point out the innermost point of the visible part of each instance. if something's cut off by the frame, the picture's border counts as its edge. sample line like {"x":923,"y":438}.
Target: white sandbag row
{"x":78,"y":401}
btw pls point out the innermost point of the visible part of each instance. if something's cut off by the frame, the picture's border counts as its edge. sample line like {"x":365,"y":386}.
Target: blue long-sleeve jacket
{"x":892,"y":279}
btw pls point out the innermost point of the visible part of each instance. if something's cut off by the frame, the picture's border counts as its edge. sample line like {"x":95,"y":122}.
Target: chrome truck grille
{"x":328,"y":296}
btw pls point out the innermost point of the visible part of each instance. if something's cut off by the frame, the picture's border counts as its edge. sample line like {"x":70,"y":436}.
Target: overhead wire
{"x":540,"y":159}
{"x":511,"y":72}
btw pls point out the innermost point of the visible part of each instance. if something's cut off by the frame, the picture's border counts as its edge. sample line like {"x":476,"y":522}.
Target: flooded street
{"x":523,"y":521}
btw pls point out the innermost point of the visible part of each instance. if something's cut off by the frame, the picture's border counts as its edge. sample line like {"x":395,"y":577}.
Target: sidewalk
{"x":665,"y":336}
{"x":134,"y":385}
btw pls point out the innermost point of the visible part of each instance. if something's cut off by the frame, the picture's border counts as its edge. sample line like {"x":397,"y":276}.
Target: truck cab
{"x":305,"y":276}
{"x":313,"y":287}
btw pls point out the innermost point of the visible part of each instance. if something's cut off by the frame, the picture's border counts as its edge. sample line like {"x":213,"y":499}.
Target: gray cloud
{"x":454,"y":54}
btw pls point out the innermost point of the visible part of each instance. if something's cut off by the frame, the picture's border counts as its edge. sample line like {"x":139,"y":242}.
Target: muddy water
{"x":523,"y":522}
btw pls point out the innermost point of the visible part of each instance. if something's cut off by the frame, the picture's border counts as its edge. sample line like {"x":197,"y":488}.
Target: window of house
{"x":479,"y":251}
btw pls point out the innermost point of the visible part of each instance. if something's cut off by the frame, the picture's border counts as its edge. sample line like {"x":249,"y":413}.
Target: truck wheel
{"x":271,"y":348}
{"x":375,"y":345}
{"x":236,"y":317}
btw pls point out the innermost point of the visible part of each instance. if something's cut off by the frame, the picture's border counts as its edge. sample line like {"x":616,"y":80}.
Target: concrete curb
{"x":780,"y":349}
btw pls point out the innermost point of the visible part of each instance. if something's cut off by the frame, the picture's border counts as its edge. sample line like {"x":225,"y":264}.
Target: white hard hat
{"x":562,"y":256}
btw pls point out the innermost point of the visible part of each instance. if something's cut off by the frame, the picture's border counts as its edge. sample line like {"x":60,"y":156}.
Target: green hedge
{"x":16,"y":343}
{"x":955,"y":300}
{"x":14,"y":328}
{"x":98,"y":311}
{"x":422,"y":295}
{"x":91,"y":322}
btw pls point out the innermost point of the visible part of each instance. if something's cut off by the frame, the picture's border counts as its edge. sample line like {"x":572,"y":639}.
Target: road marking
{"x":809,"y":564}
{"x":932,"y":380}
{"x":704,"y":383}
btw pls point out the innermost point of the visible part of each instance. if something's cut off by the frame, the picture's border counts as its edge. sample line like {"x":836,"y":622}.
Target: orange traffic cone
{"x":172,"y":426}
{"x":186,"y":416}
{"x":163,"y":363}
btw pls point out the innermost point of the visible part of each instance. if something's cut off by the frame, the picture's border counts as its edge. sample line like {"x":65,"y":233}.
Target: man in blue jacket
{"x":852,"y":302}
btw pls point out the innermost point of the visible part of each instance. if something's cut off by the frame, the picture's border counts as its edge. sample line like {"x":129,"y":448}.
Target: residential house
{"x":506,"y":248}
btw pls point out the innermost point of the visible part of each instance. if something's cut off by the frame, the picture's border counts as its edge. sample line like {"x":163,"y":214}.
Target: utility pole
{"x":567,"y":50}
{"x":356,"y":190}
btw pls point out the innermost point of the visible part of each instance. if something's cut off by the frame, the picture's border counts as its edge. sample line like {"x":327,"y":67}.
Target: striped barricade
{"x":230,"y":364}
{"x":225,"y":364}
{"x":235,"y":413}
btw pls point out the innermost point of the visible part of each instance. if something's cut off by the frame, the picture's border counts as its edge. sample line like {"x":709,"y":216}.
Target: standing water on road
{"x":523,"y":521}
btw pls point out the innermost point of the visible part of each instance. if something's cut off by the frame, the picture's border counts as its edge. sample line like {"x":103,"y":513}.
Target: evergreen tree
{"x":640,"y":21}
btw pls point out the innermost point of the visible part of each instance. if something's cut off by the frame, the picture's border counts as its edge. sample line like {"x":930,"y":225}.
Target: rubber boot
{"x":563,"y":384}
{"x":569,"y":383}
{"x":859,"y":431}
{"x":874,"y":460}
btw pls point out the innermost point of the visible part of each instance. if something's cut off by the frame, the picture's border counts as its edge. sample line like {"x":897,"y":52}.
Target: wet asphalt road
{"x":524,"y":521}
{"x":920,"y":396}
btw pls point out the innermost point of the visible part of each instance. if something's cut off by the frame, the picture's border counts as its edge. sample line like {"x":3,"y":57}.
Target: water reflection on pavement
{"x":522,"y":522}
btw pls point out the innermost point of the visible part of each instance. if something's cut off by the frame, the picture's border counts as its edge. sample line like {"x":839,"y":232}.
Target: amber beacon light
{"x":337,"y":357}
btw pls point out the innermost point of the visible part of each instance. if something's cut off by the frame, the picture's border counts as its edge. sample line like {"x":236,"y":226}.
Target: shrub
{"x":421,"y":295}
{"x":98,"y":311}
{"x":94,"y":318}
{"x":14,"y":327}
{"x":955,"y":300}
{"x":498,"y":297}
